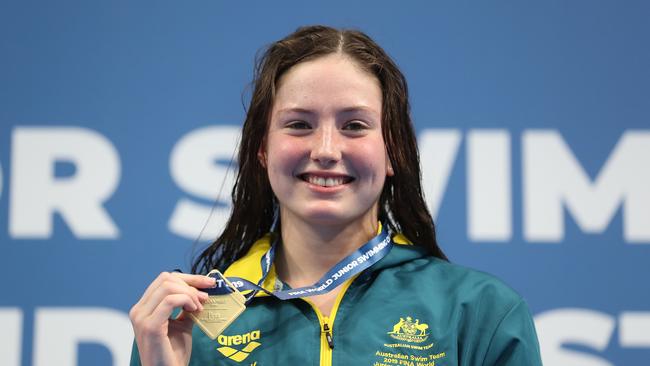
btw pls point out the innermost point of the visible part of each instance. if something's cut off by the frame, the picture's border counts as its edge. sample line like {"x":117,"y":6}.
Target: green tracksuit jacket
{"x":407,"y":309}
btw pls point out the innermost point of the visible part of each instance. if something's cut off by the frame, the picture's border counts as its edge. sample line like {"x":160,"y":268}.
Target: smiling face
{"x":324,"y":150}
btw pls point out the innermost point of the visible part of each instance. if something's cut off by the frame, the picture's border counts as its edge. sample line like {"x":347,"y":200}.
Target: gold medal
{"x":219,"y":310}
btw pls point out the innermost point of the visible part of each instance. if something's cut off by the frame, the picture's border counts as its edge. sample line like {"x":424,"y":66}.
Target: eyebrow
{"x":295,"y":110}
{"x":359,"y":109}
{"x":353,"y":109}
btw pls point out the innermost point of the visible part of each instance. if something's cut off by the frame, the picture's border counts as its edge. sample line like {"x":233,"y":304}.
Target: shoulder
{"x":493,"y":317}
{"x":471,"y":285}
{"x":472,"y":296}
{"x":456,"y":282}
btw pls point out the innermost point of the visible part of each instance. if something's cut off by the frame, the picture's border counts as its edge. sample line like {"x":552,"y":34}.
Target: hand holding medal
{"x":162,"y":340}
{"x":224,"y":305}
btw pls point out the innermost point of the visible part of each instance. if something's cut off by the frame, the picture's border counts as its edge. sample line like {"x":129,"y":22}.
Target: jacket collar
{"x":249,"y":266}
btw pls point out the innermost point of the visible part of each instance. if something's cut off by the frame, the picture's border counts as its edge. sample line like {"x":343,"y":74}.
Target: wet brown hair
{"x":401,"y":204}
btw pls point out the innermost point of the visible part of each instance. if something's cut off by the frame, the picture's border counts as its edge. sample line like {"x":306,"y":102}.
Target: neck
{"x":308,"y":251}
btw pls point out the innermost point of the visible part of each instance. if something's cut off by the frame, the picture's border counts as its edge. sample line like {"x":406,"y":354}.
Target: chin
{"x":330,"y":217}
{"x":326,"y":218}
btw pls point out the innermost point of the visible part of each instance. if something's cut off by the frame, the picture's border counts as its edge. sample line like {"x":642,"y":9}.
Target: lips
{"x":325,"y":180}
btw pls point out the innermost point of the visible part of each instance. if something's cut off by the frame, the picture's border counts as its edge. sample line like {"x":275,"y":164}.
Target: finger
{"x":169,"y":288}
{"x":163,"y":311}
{"x":182,"y":316}
{"x":198,"y":281}
{"x":153,"y":286}
{"x":183,"y":325}
{"x":145,"y":305}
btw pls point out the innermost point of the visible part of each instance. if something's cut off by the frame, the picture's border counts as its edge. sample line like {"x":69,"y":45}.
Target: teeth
{"x":325,"y":182}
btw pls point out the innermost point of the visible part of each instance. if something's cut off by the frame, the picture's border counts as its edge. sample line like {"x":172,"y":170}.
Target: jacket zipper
{"x":326,"y":344}
{"x":327,"y":326}
{"x":328,"y":335}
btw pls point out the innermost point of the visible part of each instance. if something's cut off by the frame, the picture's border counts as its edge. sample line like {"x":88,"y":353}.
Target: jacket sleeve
{"x":514,"y":342}
{"x":135,"y":355}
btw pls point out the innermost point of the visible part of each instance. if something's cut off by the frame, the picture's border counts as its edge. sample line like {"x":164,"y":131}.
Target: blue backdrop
{"x":117,"y":120}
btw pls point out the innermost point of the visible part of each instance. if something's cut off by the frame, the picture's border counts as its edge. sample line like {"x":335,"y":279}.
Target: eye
{"x":298,"y":125}
{"x":355,"y":125}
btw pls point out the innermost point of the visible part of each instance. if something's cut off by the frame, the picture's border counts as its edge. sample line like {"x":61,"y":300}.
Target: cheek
{"x":370,"y":171}
{"x":283,"y":156}
{"x":371,"y":157}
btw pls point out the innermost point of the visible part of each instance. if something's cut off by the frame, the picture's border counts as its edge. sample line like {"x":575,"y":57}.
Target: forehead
{"x":333,"y":81}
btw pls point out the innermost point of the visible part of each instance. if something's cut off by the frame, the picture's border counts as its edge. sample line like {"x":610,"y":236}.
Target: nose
{"x":326,"y":149}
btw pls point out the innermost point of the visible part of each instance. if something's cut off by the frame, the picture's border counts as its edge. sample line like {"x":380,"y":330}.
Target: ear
{"x":261,"y":154}
{"x":389,"y":168}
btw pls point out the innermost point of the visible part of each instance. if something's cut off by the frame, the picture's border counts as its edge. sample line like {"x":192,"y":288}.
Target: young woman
{"x":328,"y":161}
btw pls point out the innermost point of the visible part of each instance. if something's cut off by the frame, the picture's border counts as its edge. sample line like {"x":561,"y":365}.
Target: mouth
{"x":325,"y":180}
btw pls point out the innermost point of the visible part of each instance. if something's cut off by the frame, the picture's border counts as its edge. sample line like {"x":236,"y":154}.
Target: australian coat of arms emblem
{"x":409,"y":330}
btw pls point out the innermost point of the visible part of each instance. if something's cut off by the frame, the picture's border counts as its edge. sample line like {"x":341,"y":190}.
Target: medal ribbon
{"x":364,"y":257}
